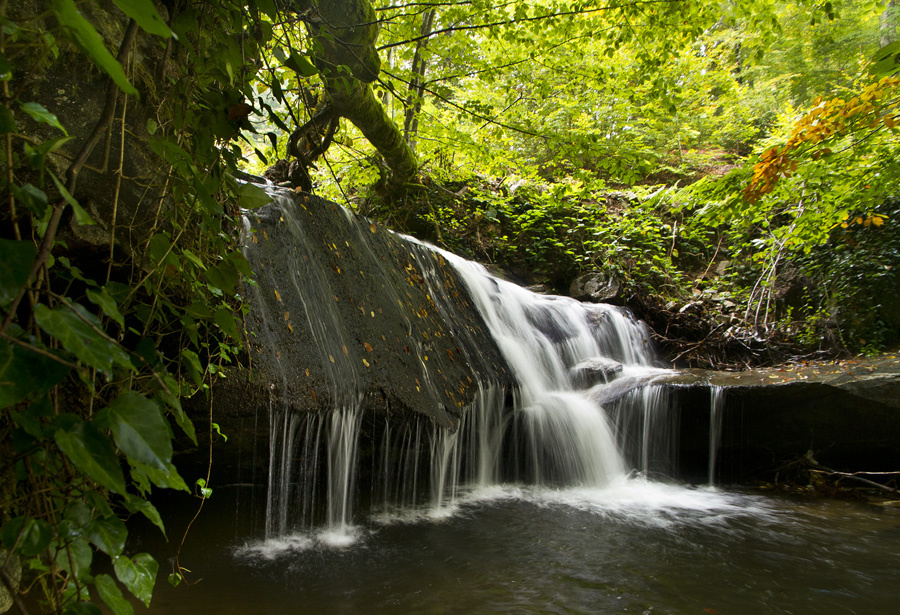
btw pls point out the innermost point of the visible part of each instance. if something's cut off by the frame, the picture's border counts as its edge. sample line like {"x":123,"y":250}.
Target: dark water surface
{"x":633,"y":548}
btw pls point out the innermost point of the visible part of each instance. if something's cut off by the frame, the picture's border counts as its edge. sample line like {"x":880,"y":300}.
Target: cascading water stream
{"x":573,"y":364}
{"x":716,"y":405}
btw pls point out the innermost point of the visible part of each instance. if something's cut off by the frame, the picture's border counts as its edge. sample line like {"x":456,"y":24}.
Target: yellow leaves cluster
{"x":872,"y":108}
{"x":866,"y":221}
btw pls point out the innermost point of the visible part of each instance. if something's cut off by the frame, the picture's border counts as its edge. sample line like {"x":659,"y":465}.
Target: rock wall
{"x":847,"y":414}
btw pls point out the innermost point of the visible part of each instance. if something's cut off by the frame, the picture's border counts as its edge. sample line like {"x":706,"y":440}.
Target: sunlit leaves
{"x":874,"y":107}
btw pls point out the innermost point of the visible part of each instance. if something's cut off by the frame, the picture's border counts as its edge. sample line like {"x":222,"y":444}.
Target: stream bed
{"x":633,"y":547}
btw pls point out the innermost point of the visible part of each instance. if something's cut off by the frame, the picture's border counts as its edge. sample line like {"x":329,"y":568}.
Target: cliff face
{"x":847,"y":414}
{"x":345,"y":312}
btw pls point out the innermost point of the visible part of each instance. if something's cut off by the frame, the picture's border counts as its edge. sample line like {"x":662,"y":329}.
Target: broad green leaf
{"x":77,"y":560}
{"x":33,"y":198}
{"x":82,"y":33}
{"x":102,"y":299}
{"x":300,"y":64}
{"x":225,"y":319}
{"x":146,"y":16}
{"x":167,"y":478}
{"x":16,"y":260}
{"x":138,"y":575}
{"x":136,"y":504}
{"x":7,"y":120}
{"x":40,"y":114}
{"x":192,"y":361}
{"x":223,"y":277}
{"x":112,"y":595}
{"x":79,"y":514}
{"x":93,"y":454}
{"x":139,"y":428}
{"x":37,"y":155}
{"x":80,"y":334}
{"x":33,"y":535}
{"x":108,"y":534}
{"x":252,"y":196}
{"x":185,"y":423}
{"x":99,"y":503}
{"x":24,"y":373}
{"x":193,"y":258}
{"x":81,"y":216}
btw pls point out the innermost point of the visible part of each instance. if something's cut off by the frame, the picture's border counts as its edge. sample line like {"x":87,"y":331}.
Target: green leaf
{"x":33,"y":198}
{"x":81,"y":216}
{"x":40,"y":114}
{"x":109,"y":534}
{"x":77,"y":560}
{"x":184,"y":422}
{"x":195,"y":369}
{"x":82,"y":33}
{"x":103,"y":299}
{"x":33,"y":535}
{"x":167,"y":478}
{"x":136,"y":504}
{"x":112,"y":595}
{"x":146,"y":16}
{"x":886,"y":61}
{"x":252,"y":196}
{"x":79,"y":514}
{"x":24,"y":374}
{"x":7,"y":120}
{"x":16,"y":260}
{"x":225,"y":319}
{"x":138,"y":575}
{"x":139,"y":428}
{"x":79,"y":333}
{"x":93,"y":454}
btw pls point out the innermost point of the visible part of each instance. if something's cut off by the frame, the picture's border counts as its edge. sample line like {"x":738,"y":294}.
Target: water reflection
{"x":633,"y":547}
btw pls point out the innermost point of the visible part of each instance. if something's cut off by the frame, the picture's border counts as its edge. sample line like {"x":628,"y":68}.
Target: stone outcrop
{"x":598,"y":287}
{"x":847,"y":414}
{"x":346,"y":313}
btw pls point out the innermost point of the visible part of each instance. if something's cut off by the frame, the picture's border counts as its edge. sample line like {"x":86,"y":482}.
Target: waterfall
{"x":716,"y":405}
{"x":582,"y":410}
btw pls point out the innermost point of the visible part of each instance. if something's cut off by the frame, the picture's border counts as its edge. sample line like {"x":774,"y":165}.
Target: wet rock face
{"x":597,"y":287}
{"x":845,"y":413}
{"x":346,"y":311}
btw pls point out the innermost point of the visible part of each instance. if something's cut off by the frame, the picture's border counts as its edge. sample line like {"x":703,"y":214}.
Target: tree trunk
{"x":417,"y":83}
{"x":344,"y":34}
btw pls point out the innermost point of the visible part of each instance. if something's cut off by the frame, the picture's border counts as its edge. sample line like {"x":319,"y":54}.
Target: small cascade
{"x":646,"y":425}
{"x":582,"y":410}
{"x":716,"y":405}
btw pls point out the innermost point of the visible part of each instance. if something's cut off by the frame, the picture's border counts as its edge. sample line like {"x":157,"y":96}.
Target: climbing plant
{"x":101,"y":343}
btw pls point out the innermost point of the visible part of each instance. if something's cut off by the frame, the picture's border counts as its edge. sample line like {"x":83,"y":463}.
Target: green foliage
{"x":99,"y":346}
